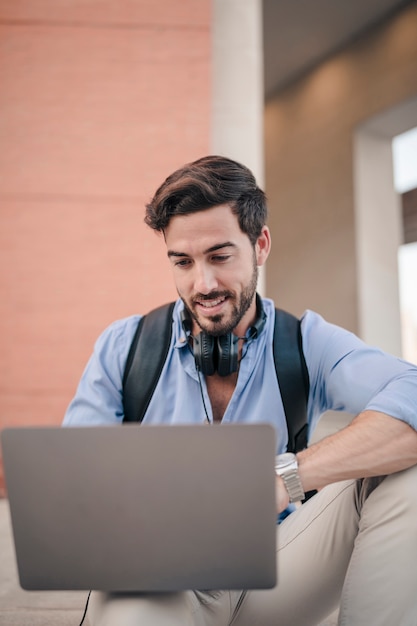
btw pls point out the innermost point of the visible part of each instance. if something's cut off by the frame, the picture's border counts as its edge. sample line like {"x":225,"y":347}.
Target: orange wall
{"x":99,"y":101}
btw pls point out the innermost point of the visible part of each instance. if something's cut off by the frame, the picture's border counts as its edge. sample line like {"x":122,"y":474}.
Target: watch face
{"x":283,"y":460}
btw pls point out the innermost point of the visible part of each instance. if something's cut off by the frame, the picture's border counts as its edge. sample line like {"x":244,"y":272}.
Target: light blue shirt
{"x":345,"y":375}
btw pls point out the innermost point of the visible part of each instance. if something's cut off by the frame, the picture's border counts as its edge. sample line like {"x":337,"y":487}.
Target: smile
{"x":209,"y":304}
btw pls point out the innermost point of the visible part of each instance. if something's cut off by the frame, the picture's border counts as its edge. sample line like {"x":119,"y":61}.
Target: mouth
{"x":211,"y":305}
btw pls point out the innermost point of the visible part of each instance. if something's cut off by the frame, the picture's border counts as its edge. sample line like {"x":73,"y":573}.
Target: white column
{"x":378,"y":236}
{"x":237,"y":85}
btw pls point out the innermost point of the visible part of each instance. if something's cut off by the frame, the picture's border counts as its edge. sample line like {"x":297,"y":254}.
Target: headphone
{"x":220,"y":354}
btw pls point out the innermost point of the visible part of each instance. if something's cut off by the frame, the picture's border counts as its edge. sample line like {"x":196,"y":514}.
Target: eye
{"x":220,"y":258}
{"x":182,"y":263}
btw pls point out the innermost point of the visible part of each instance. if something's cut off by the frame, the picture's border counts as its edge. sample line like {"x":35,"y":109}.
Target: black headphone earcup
{"x":227,"y":354}
{"x":203,"y":353}
{"x":216,"y":354}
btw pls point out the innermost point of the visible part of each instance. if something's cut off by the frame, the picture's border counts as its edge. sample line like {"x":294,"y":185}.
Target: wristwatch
{"x":286,"y":466}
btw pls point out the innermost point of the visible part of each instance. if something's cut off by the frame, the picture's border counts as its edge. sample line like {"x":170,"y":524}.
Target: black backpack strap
{"x":292,"y":375}
{"x":146,"y":358}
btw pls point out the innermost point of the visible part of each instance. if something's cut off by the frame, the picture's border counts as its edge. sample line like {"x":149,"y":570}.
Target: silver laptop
{"x":142,"y":508}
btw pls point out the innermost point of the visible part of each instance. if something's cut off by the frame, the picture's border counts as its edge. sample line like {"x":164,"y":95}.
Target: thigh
{"x":314,"y":546}
{"x":381,"y":582}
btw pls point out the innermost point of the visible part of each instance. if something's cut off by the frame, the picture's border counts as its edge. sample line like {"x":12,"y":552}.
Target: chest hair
{"x":220,"y":389}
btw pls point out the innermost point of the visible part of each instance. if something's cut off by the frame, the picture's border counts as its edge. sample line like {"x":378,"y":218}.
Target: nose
{"x":205,"y":279}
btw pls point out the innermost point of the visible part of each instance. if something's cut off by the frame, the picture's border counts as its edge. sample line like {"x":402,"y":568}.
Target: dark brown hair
{"x":206,"y":183}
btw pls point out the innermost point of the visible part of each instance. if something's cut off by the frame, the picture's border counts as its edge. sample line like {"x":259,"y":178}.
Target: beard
{"x":216,"y":325}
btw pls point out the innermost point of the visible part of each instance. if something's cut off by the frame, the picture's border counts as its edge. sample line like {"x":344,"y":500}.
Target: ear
{"x":263,"y":246}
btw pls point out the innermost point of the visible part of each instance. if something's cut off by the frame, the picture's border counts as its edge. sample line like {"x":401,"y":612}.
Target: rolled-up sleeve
{"x":348,"y":375}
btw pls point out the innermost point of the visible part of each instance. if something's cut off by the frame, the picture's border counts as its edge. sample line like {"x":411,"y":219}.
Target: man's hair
{"x":206,"y":183}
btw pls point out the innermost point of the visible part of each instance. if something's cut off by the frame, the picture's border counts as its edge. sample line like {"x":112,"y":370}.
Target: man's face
{"x":215,"y":268}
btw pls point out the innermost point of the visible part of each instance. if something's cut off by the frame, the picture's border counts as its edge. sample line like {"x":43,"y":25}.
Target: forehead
{"x":203,"y":228}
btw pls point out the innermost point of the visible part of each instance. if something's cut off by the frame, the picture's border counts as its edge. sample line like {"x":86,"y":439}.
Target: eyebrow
{"x":218,"y":246}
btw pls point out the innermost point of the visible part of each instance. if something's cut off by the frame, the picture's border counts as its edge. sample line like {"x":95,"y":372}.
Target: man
{"x":353,"y":543}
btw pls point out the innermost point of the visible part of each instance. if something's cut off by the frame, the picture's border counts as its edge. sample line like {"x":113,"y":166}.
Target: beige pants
{"x":354,"y":544}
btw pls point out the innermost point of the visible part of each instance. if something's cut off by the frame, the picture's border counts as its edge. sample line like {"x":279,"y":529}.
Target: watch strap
{"x":292,"y":480}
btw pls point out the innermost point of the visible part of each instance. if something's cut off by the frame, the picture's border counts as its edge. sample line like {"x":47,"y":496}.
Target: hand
{"x":281,"y":495}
